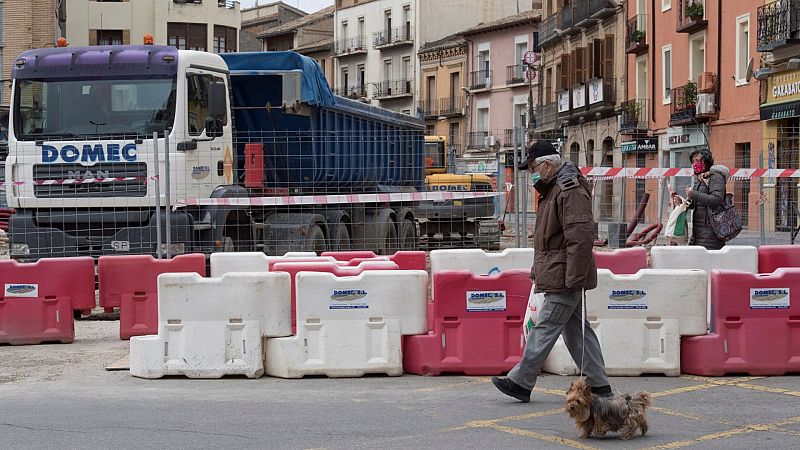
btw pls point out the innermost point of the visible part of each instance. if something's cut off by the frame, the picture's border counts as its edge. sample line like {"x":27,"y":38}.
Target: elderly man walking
{"x":563,"y":268}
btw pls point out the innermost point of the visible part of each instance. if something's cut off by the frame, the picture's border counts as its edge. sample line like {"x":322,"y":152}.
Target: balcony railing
{"x":451,"y":106}
{"x":226,"y":4}
{"x":636,"y":34}
{"x":547,"y":31}
{"x":350,"y":46}
{"x":546,"y":117}
{"x":513,"y":135}
{"x":515,"y":74}
{"x":480,"y":79}
{"x":635,"y":116}
{"x":396,"y":36}
{"x":479,"y":139}
{"x":690,"y":16}
{"x":778,"y":25}
{"x":566,"y":21}
{"x":601,"y":8}
{"x":684,"y":105}
{"x":396,"y":88}
{"x":353,"y":92}
{"x":429,"y":108}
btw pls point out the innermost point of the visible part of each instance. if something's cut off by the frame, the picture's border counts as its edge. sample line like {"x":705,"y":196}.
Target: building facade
{"x":582,"y":87}
{"x":311,"y":35}
{"x":28,"y":24}
{"x":376,"y":42}
{"x":688,"y":88}
{"x":211,"y":26}
{"x":260,"y":19}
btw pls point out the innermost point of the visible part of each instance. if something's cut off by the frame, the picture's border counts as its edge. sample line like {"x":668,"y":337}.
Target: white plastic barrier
{"x":227,"y":262}
{"x":639,"y":320}
{"x":211,"y":327}
{"x":350,"y":326}
{"x":480,"y":262}
{"x":731,"y":257}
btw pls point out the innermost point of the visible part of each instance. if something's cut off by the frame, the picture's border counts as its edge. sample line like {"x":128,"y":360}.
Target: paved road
{"x":59,"y":396}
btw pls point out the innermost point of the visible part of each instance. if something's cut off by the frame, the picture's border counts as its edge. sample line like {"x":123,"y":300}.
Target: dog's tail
{"x":640,"y":399}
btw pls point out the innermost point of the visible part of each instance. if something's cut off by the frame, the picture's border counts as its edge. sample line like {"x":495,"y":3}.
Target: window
{"x":641,"y":77}
{"x":187,"y":36}
{"x":482,"y":119}
{"x":666,"y":73}
{"x":387,"y":21}
{"x":224,"y":39}
{"x":741,"y":188}
{"x":454,"y":137}
{"x":430,"y":130}
{"x":455,"y":85}
{"x":109,"y":37}
{"x":345,"y":81}
{"x":431,"y":91}
{"x":387,"y":70}
{"x":344,"y":30}
{"x":536,"y":42}
{"x":483,"y":61}
{"x":697,"y":56}
{"x":361,"y":81}
{"x":520,"y":49}
{"x":520,"y":116}
{"x":197,"y":101}
{"x":742,"y":47}
{"x":666,"y":5}
{"x":360,"y":27}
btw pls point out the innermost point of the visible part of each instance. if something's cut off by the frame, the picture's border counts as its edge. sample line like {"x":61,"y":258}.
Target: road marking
{"x":492,"y":422}
{"x":707,"y":384}
{"x":470,"y":381}
{"x":542,"y":437}
{"x":772,"y":427}
{"x":756,"y":387}
{"x":690,"y":416}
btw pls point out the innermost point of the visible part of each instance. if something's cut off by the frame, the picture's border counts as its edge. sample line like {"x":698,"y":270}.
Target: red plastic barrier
{"x":756,"y":323}
{"x":37,"y":299}
{"x":294,"y":267}
{"x":406,"y":260}
{"x":622,"y":261}
{"x":772,"y":257}
{"x":131,"y":283}
{"x":472,"y":337}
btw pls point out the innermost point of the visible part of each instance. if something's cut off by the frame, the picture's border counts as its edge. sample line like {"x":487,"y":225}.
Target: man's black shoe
{"x":512,"y":389}
{"x":602,"y":391}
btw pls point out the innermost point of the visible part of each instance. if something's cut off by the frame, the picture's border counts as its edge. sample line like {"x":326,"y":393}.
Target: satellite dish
{"x":749,"y":74}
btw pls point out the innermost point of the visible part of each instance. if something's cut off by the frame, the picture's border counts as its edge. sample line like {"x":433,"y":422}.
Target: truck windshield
{"x":93,"y":109}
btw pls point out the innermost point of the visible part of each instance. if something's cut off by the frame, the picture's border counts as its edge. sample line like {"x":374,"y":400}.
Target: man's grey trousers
{"x":560,"y":313}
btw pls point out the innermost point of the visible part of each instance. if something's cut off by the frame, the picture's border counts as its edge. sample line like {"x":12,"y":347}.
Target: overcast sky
{"x":308,"y":6}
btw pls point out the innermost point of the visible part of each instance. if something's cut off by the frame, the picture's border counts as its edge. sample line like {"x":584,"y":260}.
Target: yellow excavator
{"x":465,"y":223}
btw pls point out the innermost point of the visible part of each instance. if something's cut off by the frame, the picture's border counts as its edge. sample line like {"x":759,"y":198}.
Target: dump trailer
{"x":455,"y":223}
{"x":143,"y":149}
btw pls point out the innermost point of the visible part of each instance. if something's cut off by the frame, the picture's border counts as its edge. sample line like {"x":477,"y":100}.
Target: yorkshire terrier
{"x":595,"y":415}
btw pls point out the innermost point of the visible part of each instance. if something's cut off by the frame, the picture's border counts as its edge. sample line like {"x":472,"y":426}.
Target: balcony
{"x":635,"y":35}
{"x":480,"y":80}
{"x":566,"y":21}
{"x":429,"y":108}
{"x":350,"y":46}
{"x":479,"y":139}
{"x":516,"y":74}
{"x":547,"y":31}
{"x":546,"y":117}
{"x":352,"y":92}
{"x":395,"y":89}
{"x":778,"y":25}
{"x":393,"y":38}
{"x":513,"y":136}
{"x":580,"y":14}
{"x":601,"y":93}
{"x":690,"y":16}
{"x":602,"y":9}
{"x":452,"y":106}
{"x":578,"y":96}
{"x":684,"y":105}
{"x":226,"y":4}
{"x":635,"y":116}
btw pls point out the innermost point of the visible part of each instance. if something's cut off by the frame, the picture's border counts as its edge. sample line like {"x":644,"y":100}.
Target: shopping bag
{"x":677,"y":224}
{"x":535,"y":302}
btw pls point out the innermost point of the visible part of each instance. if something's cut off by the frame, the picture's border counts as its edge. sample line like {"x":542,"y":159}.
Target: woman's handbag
{"x":725,"y":220}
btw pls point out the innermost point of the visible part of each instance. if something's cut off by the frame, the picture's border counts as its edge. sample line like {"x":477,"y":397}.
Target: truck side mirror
{"x":217,"y":95}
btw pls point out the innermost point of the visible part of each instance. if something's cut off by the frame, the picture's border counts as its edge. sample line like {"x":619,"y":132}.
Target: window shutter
{"x":608,"y":62}
{"x":598,"y":58}
{"x":565,"y":71}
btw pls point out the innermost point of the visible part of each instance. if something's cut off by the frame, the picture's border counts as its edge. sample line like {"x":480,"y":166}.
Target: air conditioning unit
{"x":706,"y":105}
{"x":706,"y":82}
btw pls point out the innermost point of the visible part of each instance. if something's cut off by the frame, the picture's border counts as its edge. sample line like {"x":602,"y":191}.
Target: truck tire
{"x":315,"y":240}
{"x":408,"y":239}
{"x":387,"y":238}
{"x":341,"y":238}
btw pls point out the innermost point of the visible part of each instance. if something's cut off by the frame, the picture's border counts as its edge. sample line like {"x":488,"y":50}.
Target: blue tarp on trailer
{"x":314,"y":90}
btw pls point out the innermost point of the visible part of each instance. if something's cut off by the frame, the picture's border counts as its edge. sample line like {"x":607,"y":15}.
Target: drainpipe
{"x":719,"y":57}
{"x":653,"y":60}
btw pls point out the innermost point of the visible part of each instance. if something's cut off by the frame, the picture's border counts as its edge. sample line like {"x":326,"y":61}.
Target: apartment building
{"x":311,"y":35}
{"x":688,"y":89}
{"x":210,"y":25}
{"x":377,"y":42}
{"x":260,"y":19}
{"x":28,"y":24}
{"x":778,"y":40}
{"x":582,"y":87}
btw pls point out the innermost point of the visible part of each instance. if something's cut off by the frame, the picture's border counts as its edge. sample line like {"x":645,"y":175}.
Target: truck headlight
{"x":174,"y":249}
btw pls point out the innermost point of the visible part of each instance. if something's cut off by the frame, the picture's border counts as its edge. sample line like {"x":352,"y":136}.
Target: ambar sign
{"x":641,"y":145}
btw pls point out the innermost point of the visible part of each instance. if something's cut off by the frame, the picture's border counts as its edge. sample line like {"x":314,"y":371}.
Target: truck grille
{"x":130,"y":188}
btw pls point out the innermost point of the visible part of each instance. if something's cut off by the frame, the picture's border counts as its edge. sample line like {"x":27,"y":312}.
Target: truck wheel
{"x":387,"y":238}
{"x":409,"y":236}
{"x":342,"y":237}
{"x":315,"y":240}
